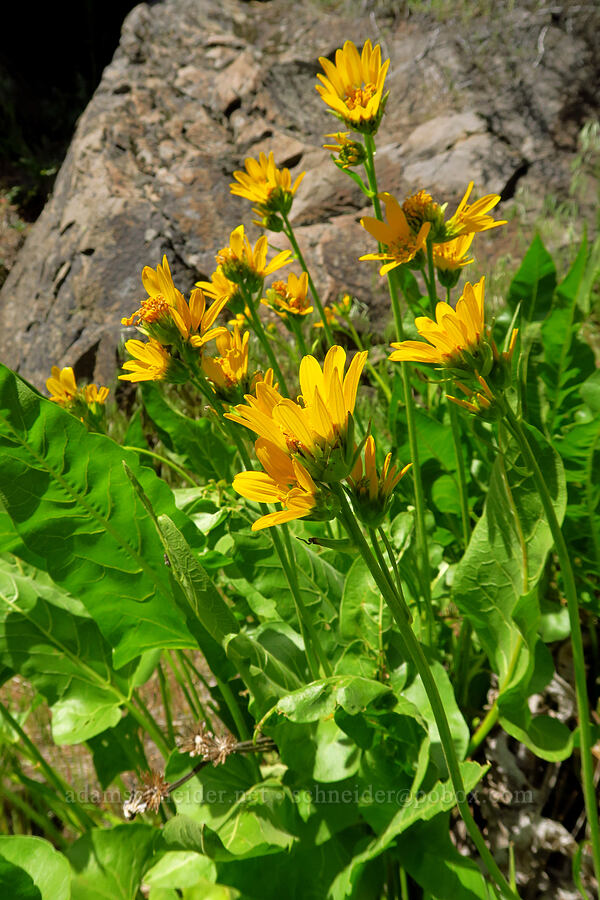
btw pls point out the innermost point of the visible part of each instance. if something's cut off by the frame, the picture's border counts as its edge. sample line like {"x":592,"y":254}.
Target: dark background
{"x":51,"y":61}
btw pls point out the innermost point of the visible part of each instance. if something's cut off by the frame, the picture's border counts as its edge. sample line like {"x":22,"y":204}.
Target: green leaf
{"x":48,"y":870}
{"x":204,"y":450}
{"x":416,"y":808}
{"x":534,"y":283}
{"x":48,"y":638}
{"x":590,"y":391}
{"x":180,"y":869}
{"x":74,"y":508}
{"x":364,"y":617}
{"x":320,"y":699}
{"x":109,"y":863}
{"x":117,"y":750}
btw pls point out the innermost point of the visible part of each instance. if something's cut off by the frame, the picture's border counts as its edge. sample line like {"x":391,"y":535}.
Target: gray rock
{"x":197,"y":85}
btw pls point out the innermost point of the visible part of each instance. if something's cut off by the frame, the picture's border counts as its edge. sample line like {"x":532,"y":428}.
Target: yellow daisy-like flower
{"x":289,"y":298}
{"x":62,"y":386}
{"x":263,"y":183}
{"x":195,"y":321}
{"x":455,"y":338}
{"x":63,"y":390}
{"x":400,"y":244}
{"x":150,"y":361}
{"x":230,"y":369}
{"x":471,"y":218}
{"x":371,"y":491}
{"x":450,"y":257}
{"x":353,"y":86}
{"x":163,"y":296}
{"x":284,"y":481}
{"x":247,"y":266}
{"x":319,"y":433}
{"x":94,"y":394}
{"x":221,"y":288}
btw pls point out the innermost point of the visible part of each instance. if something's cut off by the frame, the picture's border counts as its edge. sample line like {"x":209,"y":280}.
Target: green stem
{"x":166,"y":701}
{"x":289,"y":233}
{"x":166,"y":462}
{"x":401,"y":614}
{"x":190,"y":671}
{"x":264,"y":340}
{"x":301,"y":614}
{"x":430,"y":280}
{"x":296,"y":327}
{"x":145,"y":720}
{"x":52,"y":776}
{"x":369,"y":365}
{"x":587,"y":770}
{"x":421,"y":530}
{"x":180,"y":679}
{"x":44,"y":823}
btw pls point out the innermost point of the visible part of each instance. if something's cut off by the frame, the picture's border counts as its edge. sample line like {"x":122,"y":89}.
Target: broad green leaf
{"x":180,"y":869}
{"x":534,"y":283}
{"x":203,"y":449}
{"x":117,"y":750}
{"x":364,"y":616}
{"x":48,"y":637}
{"x":108,"y":863}
{"x":31,"y":869}
{"x":416,"y":808}
{"x":74,"y":508}
{"x":430,"y":857}
{"x":267,"y":677}
{"x":506,"y":556}
{"x":319,"y":700}
{"x":590,"y":391}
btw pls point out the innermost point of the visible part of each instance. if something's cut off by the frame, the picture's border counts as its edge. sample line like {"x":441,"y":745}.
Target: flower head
{"x":289,"y":298}
{"x":151,"y":361}
{"x":372,"y":491}
{"x":471,"y":218}
{"x":247,"y":266}
{"x":353,"y":86}
{"x":319,"y":431}
{"x":64,"y":391}
{"x":221,"y":288}
{"x":451,"y":257}
{"x":349,"y":152}
{"x":456,"y":339}
{"x":267,"y":186}
{"x":400,"y":243}
{"x":162,"y":297}
{"x":284,"y":481}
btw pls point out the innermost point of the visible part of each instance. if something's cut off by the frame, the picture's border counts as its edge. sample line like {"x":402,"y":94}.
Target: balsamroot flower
{"x":400,"y":243}
{"x":162,"y":297}
{"x":289,"y":298}
{"x":63,"y":390}
{"x":284,"y":480}
{"x":353,"y":86}
{"x":151,"y":361}
{"x":349,"y":152}
{"x":471,"y":218}
{"x":247,"y":266}
{"x":221,"y":288}
{"x":319,"y":432}
{"x":267,"y":186}
{"x":451,"y":257}
{"x":371,"y":491}
{"x":456,"y":338}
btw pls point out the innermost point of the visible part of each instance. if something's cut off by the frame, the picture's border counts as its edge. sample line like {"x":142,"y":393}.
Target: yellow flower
{"x":456,"y":338}
{"x":163,"y":296}
{"x":263,"y":183}
{"x":93,"y":394}
{"x":220,"y":288}
{"x":247,"y":266}
{"x":451,"y":256}
{"x":350,"y":153}
{"x":289,"y":298}
{"x":471,"y":218}
{"x":319,"y":433}
{"x":284,"y":481}
{"x":62,"y":386}
{"x":150,"y":361}
{"x":400,"y":244}
{"x":195,"y":321}
{"x":64,"y":391}
{"x":228,"y":370}
{"x":371,"y":492}
{"x":353,"y":86}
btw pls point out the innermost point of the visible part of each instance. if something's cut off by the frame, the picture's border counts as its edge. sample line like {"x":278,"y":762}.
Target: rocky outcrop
{"x":197,"y":85}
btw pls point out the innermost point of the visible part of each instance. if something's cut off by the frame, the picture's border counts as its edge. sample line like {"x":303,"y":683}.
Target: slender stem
{"x":289,"y":233}
{"x":51,"y":774}
{"x":264,"y":340}
{"x":301,"y":615}
{"x":404,"y":894}
{"x":421,"y":531}
{"x":12,"y":798}
{"x":369,"y":365}
{"x":587,"y":771}
{"x":430,"y":279}
{"x":190,"y":671}
{"x":166,"y":462}
{"x":166,"y":701}
{"x":145,"y":719}
{"x":296,"y":326}
{"x":401,"y":614}
{"x":460,"y":473}
{"x":181,"y":682}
